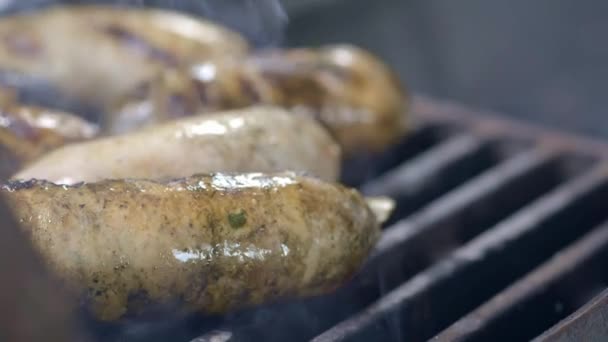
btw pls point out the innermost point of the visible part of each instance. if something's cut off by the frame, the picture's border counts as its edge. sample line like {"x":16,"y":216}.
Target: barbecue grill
{"x":499,"y":234}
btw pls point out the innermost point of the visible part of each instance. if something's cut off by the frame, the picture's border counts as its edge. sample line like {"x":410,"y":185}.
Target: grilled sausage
{"x":349,"y":90}
{"x":256,"y":139}
{"x":97,"y":53}
{"x":27,"y":132}
{"x":213,"y":243}
{"x":346,"y":88}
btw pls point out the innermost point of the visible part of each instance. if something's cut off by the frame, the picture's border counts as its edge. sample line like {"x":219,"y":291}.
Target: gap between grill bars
{"x":542,"y":297}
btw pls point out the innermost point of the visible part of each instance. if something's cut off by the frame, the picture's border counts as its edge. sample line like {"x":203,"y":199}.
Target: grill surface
{"x":502,"y":240}
{"x":498,"y":225}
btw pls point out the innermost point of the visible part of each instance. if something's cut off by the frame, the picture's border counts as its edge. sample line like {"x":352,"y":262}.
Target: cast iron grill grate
{"x":499,"y":235}
{"x":500,"y":232}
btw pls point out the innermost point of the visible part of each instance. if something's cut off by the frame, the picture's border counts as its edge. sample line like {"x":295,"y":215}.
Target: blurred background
{"x":544,"y":60}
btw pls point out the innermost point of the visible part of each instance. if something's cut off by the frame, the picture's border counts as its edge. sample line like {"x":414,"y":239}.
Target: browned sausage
{"x":27,"y":132}
{"x":97,"y":53}
{"x":211,"y":243}
{"x":254,"y":139}
{"x":346,"y":88}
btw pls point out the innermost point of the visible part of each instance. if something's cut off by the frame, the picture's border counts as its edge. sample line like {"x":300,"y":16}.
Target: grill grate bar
{"x":411,"y":176}
{"x":404,"y":234}
{"x":476,"y":258}
{"x":431,"y":174}
{"x":505,"y":309}
{"x":422,"y":136}
{"x":434,"y":111}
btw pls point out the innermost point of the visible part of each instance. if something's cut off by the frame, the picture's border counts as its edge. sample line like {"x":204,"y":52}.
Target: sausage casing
{"x":348,"y":89}
{"x":27,"y":132}
{"x":97,"y":53}
{"x":255,"y":139}
{"x":213,"y":243}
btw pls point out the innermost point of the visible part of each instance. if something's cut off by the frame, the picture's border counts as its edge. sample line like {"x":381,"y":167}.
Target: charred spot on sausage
{"x":139,"y":44}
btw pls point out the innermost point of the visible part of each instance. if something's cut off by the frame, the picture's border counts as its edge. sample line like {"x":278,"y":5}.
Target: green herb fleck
{"x":237,"y":220}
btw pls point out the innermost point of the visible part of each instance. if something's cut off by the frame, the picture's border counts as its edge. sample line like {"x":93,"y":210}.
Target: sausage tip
{"x":382,"y":207}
